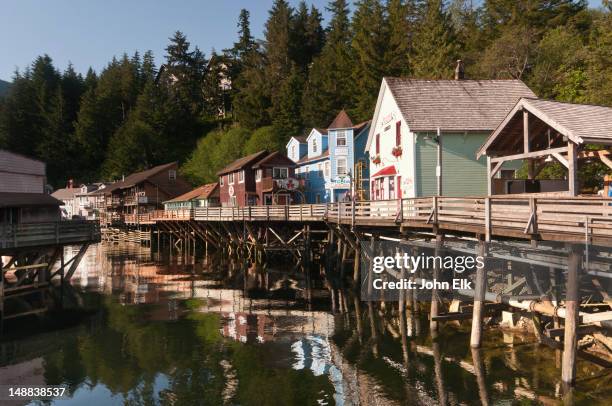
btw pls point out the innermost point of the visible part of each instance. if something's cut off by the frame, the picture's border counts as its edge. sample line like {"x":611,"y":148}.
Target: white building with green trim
{"x":425,"y":134}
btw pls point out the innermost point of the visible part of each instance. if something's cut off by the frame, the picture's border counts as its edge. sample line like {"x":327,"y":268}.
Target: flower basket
{"x":376,"y":159}
{"x":396,"y":151}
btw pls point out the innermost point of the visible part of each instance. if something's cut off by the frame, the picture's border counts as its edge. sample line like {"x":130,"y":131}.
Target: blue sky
{"x":90,"y":33}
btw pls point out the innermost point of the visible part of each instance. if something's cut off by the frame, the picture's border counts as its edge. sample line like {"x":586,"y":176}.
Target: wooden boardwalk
{"x":565,"y":219}
{"x":32,"y":235}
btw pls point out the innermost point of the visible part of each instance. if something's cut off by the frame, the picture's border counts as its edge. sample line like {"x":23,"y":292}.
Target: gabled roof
{"x":66,"y":193}
{"x":305,"y":158}
{"x":136,"y":178}
{"x":28,"y":200}
{"x":273,"y":155}
{"x":242,"y":162}
{"x":455,"y":105}
{"x":581,"y":123}
{"x":321,"y":131}
{"x":342,"y":120}
{"x":299,"y":138}
{"x":359,"y":128}
{"x":202,"y":192}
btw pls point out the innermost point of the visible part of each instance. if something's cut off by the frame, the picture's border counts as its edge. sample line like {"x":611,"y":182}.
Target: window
{"x":320,"y":170}
{"x":258,"y":175}
{"x":230,"y":178}
{"x":377,"y":144}
{"x":241,"y":177}
{"x":327,"y":169}
{"x":318,"y":198}
{"x":307,"y":172}
{"x":341,"y":166}
{"x":391,"y":188}
{"x":398,"y":133}
{"x":233,"y":201}
{"x":172,"y":174}
{"x":341,"y":138}
{"x":280,"y":173}
{"x":267,"y":200}
{"x":314,"y":145}
{"x":293,"y":152}
{"x":221,"y":180}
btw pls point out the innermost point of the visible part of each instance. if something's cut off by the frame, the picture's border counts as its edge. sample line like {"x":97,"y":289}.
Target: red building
{"x":262,"y":178}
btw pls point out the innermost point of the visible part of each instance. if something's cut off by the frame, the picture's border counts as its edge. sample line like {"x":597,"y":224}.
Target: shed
{"x":540,"y":131}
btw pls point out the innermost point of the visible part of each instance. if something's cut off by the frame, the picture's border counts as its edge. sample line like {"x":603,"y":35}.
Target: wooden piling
{"x":572,"y":302}
{"x":434,"y":309}
{"x":481,"y":286}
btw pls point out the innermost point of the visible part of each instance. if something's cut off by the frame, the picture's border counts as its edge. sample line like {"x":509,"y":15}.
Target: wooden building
{"x":425,"y":133}
{"x":261,"y":178}
{"x":203,"y":196}
{"x":275,"y":181}
{"x":142,"y":192}
{"x":22,"y":191}
{"x":543,"y":131}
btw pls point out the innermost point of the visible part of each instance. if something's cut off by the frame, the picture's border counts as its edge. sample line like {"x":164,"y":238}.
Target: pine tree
{"x":251,"y":103}
{"x":401,"y":27}
{"x":307,"y":35}
{"x":330,"y":86}
{"x":287,"y":118}
{"x":369,"y":43}
{"x":435,"y":49}
{"x":277,"y":45}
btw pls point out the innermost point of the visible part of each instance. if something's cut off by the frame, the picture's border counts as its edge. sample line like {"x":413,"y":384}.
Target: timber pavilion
{"x":543,"y":131}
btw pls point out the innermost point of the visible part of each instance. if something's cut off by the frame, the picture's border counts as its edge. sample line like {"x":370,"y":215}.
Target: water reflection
{"x":144,"y":330}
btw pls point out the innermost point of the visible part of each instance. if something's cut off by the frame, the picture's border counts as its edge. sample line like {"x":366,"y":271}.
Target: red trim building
{"x":258,"y":179}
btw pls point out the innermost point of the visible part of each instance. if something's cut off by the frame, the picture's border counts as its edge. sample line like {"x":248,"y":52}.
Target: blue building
{"x":332,"y":162}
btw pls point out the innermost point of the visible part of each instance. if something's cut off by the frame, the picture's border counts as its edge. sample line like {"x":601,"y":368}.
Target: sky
{"x":89,"y":33}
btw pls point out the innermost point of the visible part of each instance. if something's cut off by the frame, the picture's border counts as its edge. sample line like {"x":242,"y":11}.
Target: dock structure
{"x":540,"y":238}
{"x":29,"y":254}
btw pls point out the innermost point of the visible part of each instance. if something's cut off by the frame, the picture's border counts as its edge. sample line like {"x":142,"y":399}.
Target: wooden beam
{"x":525,"y":131}
{"x":561,"y":159}
{"x":606,"y":161}
{"x":572,"y":168}
{"x":533,"y":154}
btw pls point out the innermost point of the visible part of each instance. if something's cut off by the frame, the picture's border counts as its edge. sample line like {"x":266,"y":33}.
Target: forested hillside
{"x":136,"y":113}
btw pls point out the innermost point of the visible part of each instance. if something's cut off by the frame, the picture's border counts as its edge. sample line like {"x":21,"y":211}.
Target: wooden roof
{"x":202,"y":192}
{"x":135,"y":178}
{"x":580,"y":123}
{"x":342,"y":120}
{"x":28,"y":200}
{"x":455,"y":105}
{"x":242,"y":162}
{"x":272,"y":159}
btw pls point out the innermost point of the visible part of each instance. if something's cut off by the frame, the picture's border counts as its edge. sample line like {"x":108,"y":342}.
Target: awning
{"x":387,"y":171}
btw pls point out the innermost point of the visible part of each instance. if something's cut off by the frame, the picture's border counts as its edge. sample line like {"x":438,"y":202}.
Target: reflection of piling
{"x":479,"y":370}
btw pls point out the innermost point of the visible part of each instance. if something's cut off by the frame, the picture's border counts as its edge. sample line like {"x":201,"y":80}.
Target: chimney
{"x":459,"y":72}
{"x":70,"y":183}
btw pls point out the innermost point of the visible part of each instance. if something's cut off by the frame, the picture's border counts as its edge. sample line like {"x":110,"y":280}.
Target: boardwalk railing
{"x":523,"y":215}
{"x":48,"y":233}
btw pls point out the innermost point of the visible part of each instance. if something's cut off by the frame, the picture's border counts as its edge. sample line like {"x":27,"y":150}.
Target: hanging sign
{"x":230,"y":190}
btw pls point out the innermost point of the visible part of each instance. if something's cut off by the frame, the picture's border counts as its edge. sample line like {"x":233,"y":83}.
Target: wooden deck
{"x":578,"y":219}
{"x":18,"y":236}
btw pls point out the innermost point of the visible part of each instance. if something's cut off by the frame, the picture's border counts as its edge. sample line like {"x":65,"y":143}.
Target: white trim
{"x":230,"y":178}
{"x":239,"y":176}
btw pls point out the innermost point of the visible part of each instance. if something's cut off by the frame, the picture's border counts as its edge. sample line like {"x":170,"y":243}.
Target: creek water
{"x":139,"y":329}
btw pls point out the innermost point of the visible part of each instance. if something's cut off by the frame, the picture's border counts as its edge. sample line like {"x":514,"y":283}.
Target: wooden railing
{"x":524,"y":215}
{"x":48,"y":233}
